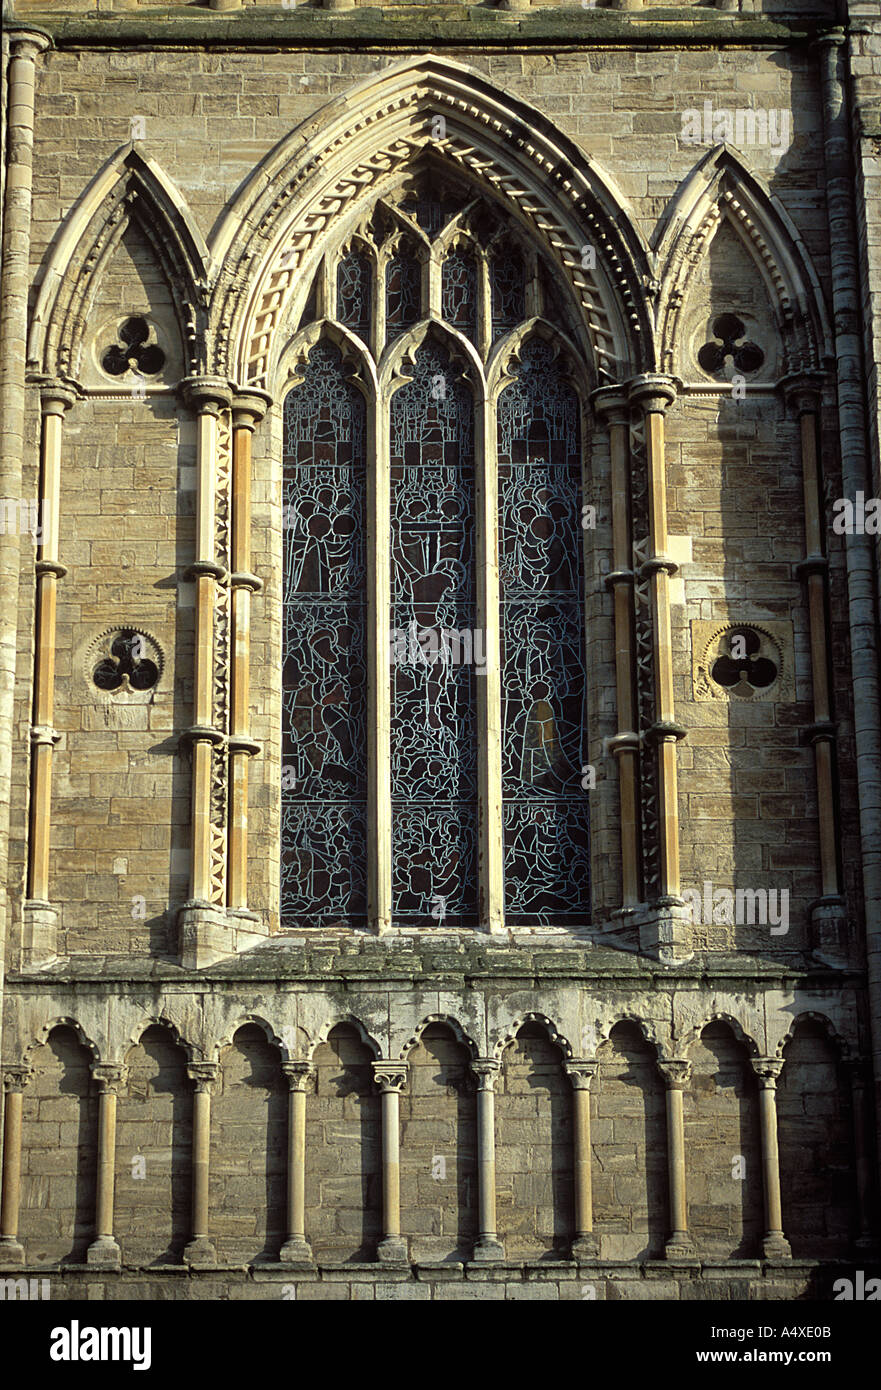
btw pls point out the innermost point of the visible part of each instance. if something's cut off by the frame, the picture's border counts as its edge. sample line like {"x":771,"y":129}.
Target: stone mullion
{"x":14,"y":1081}
{"x":379,"y":787}
{"x":296,"y":1249}
{"x":828,"y":915}
{"x":248,"y":410}
{"x":55,"y":400}
{"x":487,"y":1246}
{"x":775,"y":1246}
{"x":581,"y":1074}
{"x":391,"y":1078}
{"x":489,"y":681}
{"x":484,"y":307}
{"x":104,"y":1250}
{"x":676,"y":1073}
{"x":200,"y":1250}
{"x":611,"y":404}
{"x":208,"y":396}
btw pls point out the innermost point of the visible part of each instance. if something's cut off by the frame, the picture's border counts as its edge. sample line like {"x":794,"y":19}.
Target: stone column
{"x":610,"y":404}
{"x":247,"y":411}
{"x":676,"y":1074}
{"x":491,"y":877}
{"x":40,"y":917}
{"x":775,"y":1246}
{"x":24,"y":46}
{"x":653,"y":395}
{"x":200,"y":1251}
{"x":207,"y":396}
{"x":581,"y":1074}
{"x":14,"y":1081}
{"x":860,"y":1082}
{"x":296,"y":1249}
{"x":487,"y":1247}
{"x":391,"y":1078}
{"x":828,"y":912}
{"x":104,"y":1250}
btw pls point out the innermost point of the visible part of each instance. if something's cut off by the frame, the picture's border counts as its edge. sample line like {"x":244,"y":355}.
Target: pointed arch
{"x":129,"y":188}
{"x":320,"y":179}
{"x":720,"y":186}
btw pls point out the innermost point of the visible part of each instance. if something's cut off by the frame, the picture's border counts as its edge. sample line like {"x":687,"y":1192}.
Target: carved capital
{"x":56,"y":399}
{"x":203,"y":1075}
{"x":676,"y":1073}
{"x":390,"y":1077}
{"x":768,"y":1070}
{"x":299,"y":1074}
{"x":803,"y":392}
{"x":108,"y":1076}
{"x":28,"y":43}
{"x":16,"y":1077}
{"x":653,"y":394}
{"x":486,"y":1070}
{"x":610,"y":404}
{"x":581,"y":1073}
{"x":248,"y":409}
{"x":207,"y":395}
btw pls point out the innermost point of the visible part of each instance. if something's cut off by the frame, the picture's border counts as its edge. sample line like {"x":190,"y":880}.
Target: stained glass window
{"x":403,"y":294}
{"x":508,"y":284}
{"x":459,"y":292}
{"x":543,"y":672}
{"x":354,"y":285}
{"x":323,"y":871}
{"x":434,"y":771}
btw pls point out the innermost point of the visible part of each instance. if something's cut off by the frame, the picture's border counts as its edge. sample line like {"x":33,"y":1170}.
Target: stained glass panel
{"x":433,"y":734}
{"x":354,"y":293}
{"x":543,"y":670}
{"x":403,"y":294}
{"x":507,"y":278}
{"x":324,"y":776}
{"x":459,"y":293}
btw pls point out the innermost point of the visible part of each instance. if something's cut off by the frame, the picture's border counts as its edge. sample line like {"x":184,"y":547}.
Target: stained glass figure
{"x":324,"y":774}
{"x":507,"y":277}
{"x":459,"y":292}
{"x":403,"y":294}
{"x":434,"y":776}
{"x":543,"y":670}
{"x":354,"y":293}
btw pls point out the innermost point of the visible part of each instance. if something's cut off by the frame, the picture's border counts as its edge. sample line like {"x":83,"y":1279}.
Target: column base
{"x":104,"y":1253}
{"x":208,"y":933}
{"x":679,"y":1247}
{"x":488,"y":1248}
{"x":200,"y":1252}
{"x":665,"y":931}
{"x":296,"y":1251}
{"x":11,"y":1252}
{"x":775,"y":1246}
{"x":392,"y":1250}
{"x":829,"y":932}
{"x":585,"y":1247}
{"x":39,"y":932}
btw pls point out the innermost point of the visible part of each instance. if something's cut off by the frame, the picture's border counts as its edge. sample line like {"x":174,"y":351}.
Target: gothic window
{"x":426,"y":463}
{"x":324,"y":771}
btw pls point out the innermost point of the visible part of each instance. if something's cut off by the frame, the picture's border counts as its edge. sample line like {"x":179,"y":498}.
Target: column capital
{"x":653,"y":393}
{"x":298,"y":1074}
{"x":391,"y":1077}
{"x":16,"y":1077}
{"x":581,"y":1073}
{"x":203,"y":1074}
{"x":207,"y":395}
{"x":486,"y":1070}
{"x":108,"y":1076}
{"x":611,"y":403}
{"x":768,"y":1070}
{"x":56,"y":397}
{"x":20,"y":40}
{"x":676,"y":1072}
{"x":802,"y":392}
{"x":249,"y":407}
